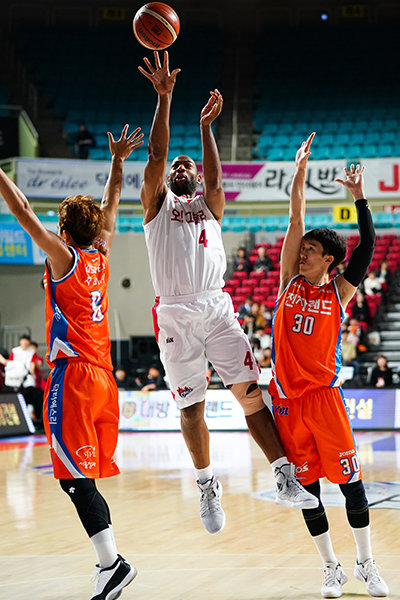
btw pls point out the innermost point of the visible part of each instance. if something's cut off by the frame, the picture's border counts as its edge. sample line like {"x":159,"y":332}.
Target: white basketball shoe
{"x":211,"y":513}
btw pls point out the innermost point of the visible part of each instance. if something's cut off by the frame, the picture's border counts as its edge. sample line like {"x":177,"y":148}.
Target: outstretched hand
{"x":354,"y":181}
{"x":303,"y":152}
{"x":212,"y":109}
{"x":123,"y":147}
{"x":163,"y":81}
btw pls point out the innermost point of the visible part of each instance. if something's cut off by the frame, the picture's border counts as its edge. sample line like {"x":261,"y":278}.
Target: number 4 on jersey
{"x":248,"y":361}
{"x":203,"y":238}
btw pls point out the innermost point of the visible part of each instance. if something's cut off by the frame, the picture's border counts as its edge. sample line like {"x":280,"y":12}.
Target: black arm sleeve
{"x":362,"y":254}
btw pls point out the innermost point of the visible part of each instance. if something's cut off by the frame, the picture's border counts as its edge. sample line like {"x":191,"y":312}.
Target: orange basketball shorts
{"x":81,"y":415}
{"x":317,"y":436}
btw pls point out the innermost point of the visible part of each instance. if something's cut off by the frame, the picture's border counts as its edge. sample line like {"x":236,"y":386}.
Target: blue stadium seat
{"x":270,"y":223}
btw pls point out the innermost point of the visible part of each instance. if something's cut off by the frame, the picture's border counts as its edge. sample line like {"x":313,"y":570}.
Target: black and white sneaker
{"x":110,"y":581}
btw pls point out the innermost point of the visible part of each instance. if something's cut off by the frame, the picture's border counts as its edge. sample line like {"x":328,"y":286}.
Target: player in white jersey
{"x":194,"y":319}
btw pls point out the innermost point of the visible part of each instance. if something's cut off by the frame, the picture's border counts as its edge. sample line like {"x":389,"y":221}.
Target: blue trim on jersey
{"x":338,"y":349}
{"x":352,"y":434}
{"x":59,"y":324}
{"x":55,"y":408}
{"x":273,"y":324}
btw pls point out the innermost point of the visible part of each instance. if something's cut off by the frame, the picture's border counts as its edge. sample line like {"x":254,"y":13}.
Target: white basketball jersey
{"x":185,"y":247}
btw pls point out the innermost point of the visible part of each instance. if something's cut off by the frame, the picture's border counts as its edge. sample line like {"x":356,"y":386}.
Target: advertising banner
{"x":253,"y":181}
{"x":157,"y":411}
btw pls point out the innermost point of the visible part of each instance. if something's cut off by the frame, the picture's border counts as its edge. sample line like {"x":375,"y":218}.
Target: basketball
{"x":156,"y":25}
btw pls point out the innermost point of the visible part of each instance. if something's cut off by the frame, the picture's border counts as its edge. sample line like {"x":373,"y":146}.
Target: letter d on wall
{"x":345,"y":214}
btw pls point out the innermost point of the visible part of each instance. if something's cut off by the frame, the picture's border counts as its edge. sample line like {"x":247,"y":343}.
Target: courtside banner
{"x":373,"y":408}
{"x":14,"y":416}
{"x":255,"y":181}
{"x":263,"y":181}
{"x":157,"y":411}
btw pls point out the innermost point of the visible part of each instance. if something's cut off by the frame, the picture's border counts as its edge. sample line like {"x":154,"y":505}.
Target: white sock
{"x":104,"y":544}
{"x":324,"y":547}
{"x":362,"y":536}
{"x":203,"y":475}
{"x":279,"y":462}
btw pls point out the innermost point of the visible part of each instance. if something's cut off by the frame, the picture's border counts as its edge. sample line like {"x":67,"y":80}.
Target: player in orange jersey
{"x":81,"y":399}
{"x":307,"y":398}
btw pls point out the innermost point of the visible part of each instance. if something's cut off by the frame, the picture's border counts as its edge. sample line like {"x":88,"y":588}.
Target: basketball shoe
{"x":289,"y":491}
{"x":368,"y":573}
{"x":211,"y":513}
{"x":334,"y":578}
{"x":111,"y":580}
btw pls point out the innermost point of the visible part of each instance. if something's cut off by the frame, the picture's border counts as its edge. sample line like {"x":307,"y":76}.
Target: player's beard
{"x":185,"y":187}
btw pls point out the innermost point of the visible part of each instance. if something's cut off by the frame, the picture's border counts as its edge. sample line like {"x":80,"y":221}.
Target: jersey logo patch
{"x":183,"y":392}
{"x":169,"y":340}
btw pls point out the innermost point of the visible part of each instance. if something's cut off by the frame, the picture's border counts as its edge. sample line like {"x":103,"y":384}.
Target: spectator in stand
{"x":25,"y":355}
{"x":384,"y":275}
{"x":241,"y":262}
{"x":3,"y":354}
{"x":36,"y":367}
{"x":263,"y":262}
{"x":245,"y":308}
{"x":256,"y":347}
{"x":83,"y":142}
{"x":248,"y":325}
{"x":40,"y":383}
{"x":381,"y":374}
{"x":259,"y":320}
{"x":372,"y":285}
{"x":265,"y":360}
{"x":349,"y":353}
{"x":122,"y":378}
{"x":360,"y":309}
{"x":267,"y":314}
{"x":153,"y":381}
{"x":265,"y":338}
{"x":357,"y":337}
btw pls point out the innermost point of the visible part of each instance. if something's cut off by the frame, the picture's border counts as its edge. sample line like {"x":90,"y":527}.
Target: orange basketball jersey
{"x":76,"y":311}
{"x":307,"y":338}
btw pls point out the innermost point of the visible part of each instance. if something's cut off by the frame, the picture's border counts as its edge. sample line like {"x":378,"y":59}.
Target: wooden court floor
{"x":263,"y":553}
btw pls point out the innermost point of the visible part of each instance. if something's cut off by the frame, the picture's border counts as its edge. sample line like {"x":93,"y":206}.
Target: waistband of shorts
{"x":188,"y":297}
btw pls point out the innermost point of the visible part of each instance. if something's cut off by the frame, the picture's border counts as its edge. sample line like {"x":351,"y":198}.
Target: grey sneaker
{"x":289,"y":491}
{"x":334,"y":578}
{"x":211,"y":513}
{"x":110,"y":581}
{"x":368,"y":573}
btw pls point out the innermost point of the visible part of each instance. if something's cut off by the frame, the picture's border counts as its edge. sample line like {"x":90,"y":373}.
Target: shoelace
{"x":330,"y":576}
{"x":211,"y":500}
{"x":95,"y":576}
{"x":371,"y":571}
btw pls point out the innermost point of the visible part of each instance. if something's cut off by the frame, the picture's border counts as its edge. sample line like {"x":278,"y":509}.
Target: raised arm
{"x":154,"y":186}
{"x":120,"y":150}
{"x":58,"y":253}
{"x":297,"y":210}
{"x":212,"y":171}
{"x":361,"y":257}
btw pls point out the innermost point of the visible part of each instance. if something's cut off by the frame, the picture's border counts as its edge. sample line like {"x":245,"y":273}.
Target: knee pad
{"x":315,"y":518}
{"x":354,"y":493}
{"x":356,"y":504}
{"x":90,"y":505}
{"x":249,"y":396}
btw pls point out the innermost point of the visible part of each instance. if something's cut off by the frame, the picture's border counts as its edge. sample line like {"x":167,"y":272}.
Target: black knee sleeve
{"x":91,"y":507}
{"x":356,"y":504}
{"x":315,"y":518}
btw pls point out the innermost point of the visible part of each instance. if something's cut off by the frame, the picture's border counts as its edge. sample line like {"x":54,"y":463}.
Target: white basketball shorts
{"x":193,"y":329}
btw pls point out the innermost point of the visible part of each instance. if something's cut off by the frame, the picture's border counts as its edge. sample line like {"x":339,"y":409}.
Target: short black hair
{"x":331,"y":242}
{"x":24,"y":336}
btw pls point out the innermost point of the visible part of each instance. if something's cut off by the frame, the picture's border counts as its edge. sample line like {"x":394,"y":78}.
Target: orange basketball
{"x":156,"y":25}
